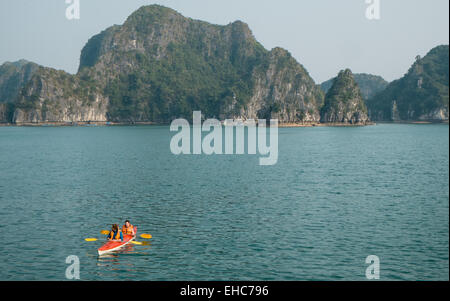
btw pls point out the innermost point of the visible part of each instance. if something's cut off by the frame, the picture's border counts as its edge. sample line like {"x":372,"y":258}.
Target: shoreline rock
{"x":103,"y":123}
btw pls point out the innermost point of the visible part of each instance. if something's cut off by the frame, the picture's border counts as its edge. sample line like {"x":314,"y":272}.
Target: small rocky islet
{"x":160,"y":65}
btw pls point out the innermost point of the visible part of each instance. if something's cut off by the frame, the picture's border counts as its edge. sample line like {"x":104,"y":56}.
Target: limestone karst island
{"x":160,"y":65}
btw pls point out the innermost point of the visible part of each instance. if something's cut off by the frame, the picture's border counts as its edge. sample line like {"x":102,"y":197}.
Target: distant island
{"x":159,"y":66}
{"x":344,"y":102}
{"x":368,"y":84}
{"x":421,"y":95}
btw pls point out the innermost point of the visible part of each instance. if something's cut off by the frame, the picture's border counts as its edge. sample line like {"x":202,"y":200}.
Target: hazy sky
{"x":323,"y":35}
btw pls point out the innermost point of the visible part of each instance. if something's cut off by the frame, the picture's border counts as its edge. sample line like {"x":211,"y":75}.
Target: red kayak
{"x":112,"y":246}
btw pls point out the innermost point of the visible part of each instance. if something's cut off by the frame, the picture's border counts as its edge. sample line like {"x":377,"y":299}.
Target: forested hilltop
{"x":344,"y":102}
{"x":159,"y":66}
{"x":422,"y":94}
{"x":368,"y":84}
{"x":13,"y":76}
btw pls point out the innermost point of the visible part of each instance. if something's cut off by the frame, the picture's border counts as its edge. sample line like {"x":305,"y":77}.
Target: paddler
{"x":115,"y":233}
{"x":128,"y":228}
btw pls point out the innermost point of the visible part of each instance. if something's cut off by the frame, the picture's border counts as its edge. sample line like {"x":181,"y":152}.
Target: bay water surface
{"x":336,"y":196}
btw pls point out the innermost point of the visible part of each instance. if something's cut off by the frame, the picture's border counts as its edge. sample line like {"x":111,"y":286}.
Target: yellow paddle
{"x":91,"y":239}
{"x":141,"y":243}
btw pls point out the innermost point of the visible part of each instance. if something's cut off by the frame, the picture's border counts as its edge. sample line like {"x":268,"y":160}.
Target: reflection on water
{"x":121,"y":260}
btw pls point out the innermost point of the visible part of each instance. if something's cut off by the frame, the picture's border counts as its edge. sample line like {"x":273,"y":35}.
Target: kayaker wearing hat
{"x":128,"y":228}
{"x":115,"y":233}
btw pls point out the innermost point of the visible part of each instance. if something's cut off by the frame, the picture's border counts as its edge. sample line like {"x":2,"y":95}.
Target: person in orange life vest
{"x":128,"y":228}
{"x":115,"y":233}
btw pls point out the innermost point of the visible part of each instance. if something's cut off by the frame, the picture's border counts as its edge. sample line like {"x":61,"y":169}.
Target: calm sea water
{"x":336,"y":196}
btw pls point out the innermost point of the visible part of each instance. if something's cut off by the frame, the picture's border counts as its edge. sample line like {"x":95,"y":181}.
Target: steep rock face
{"x":422,"y":94}
{"x":55,"y":96}
{"x":159,"y":66}
{"x":3,"y":118}
{"x":285,"y":91}
{"x":13,"y":77}
{"x":368,"y":84}
{"x":343,"y":102}
{"x":5,"y":113}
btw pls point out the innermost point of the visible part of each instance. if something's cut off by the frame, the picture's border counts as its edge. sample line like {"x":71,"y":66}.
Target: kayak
{"x":112,"y":246}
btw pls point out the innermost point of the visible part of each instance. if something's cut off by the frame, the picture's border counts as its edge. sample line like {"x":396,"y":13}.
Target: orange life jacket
{"x":114,"y":237}
{"x":128,"y":230}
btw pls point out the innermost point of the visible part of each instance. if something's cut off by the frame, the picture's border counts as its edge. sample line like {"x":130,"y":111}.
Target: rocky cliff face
{"x":344,"y":102}
{"x":4,"y":113}
{"x":159,"y":66}
{"x":422,"y":94}
{"x":55,"y":96}
{"x":13,"y":77}
{"x":283,"y":90}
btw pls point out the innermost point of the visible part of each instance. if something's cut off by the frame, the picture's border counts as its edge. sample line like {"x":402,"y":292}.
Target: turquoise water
{"x":336,"y":196}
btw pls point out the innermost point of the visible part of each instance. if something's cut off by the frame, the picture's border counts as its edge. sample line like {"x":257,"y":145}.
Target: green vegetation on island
{"x":422,"y":94}
{"x":343,"y":101}
{"x":368,"y":84}
{"x":160,"y":65}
